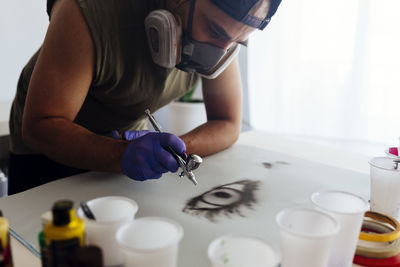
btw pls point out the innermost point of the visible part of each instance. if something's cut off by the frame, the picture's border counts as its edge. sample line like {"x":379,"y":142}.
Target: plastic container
{"x":63,"y":236}
{"x":306,"y":237}
{"x":3,"y":184}
{"x":239,"y":250}
{"x":385,"y":186}
{"x":5,"y":249}
{"x":348,"y":209}
{"x":110,"y":213}
{"x":150,"y":241}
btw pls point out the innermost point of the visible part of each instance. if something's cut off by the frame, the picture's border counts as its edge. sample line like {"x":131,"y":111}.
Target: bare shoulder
{"x":68,"y":25}
{"x":64,"y":69}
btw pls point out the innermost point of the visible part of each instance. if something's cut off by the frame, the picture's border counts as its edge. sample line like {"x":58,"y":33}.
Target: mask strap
{"x":190,"y":22}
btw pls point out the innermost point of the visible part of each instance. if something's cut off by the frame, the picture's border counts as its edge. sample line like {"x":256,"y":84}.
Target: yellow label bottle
{"x":64,"y":235}
{"x":5,"y":250}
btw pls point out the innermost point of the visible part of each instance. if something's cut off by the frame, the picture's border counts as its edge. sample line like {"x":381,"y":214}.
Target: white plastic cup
{"x":150,"y":241}
{"x":348,"y":209}
{"x":111,"y":213}
{"x":239,"y":250}
{"x":306,"y":237}
{"x":385,"y":186}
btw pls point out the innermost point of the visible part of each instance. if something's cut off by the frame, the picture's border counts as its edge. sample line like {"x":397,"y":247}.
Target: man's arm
{"x":57,"y":90}
{"x":223,"y":101}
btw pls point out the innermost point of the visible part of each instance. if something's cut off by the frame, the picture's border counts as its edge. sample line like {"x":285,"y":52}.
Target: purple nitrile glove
{"x":128,"y":135}
{"x":146,"y":156}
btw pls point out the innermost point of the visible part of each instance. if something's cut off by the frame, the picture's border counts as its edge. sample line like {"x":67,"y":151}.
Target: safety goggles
{"x":206,"y":59}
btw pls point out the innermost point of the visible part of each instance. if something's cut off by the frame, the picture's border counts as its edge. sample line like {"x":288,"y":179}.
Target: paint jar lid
{"x":384,"y":163}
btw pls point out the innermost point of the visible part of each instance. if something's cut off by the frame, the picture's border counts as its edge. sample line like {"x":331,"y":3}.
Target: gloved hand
{"x":146,"y":156}
{"x":128,"y":135}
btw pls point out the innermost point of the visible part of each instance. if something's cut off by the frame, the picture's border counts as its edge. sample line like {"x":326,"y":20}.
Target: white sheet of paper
{"x":281,"y":186}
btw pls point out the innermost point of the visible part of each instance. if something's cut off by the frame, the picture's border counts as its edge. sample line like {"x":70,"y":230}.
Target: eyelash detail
{"x":225,"y":199}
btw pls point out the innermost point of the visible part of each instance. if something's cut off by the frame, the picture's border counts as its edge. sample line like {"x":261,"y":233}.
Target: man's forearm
{"x":73,"y":145}
{"x":211,"y":137}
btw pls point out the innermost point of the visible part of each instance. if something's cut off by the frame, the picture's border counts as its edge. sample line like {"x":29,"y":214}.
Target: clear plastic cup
{"x":348,"y":209}
{"x":150,"y":241}
{"x":306,"y":237}
{"x":111,"y":213}
{"x":385,"y":186}
{"x":239,"y":250}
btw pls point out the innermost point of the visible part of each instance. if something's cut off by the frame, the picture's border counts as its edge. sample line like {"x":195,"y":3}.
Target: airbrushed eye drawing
{"x":228,"y":199}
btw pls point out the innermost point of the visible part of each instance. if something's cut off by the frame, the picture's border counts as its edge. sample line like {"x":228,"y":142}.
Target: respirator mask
{"x":171,"y":47}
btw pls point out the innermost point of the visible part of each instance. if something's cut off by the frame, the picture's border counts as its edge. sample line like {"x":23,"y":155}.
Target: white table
{"x":311,"y":167}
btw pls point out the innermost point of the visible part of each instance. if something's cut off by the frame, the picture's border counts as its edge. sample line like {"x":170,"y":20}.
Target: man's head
{"x":212,"y":31}
{"x":224,"y":22}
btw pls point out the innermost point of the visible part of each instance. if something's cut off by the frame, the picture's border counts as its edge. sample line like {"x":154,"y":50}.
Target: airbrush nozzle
{"x":192,"y":178}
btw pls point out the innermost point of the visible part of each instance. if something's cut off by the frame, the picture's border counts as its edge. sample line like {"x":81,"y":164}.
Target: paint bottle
{"x":64,"y":235}
{"x":43,"y":249}
{"x":5,"y":250}
{"x":89,"y":256}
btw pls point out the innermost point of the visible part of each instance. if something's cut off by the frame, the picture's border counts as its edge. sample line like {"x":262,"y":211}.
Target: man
{"x":103,"y":63}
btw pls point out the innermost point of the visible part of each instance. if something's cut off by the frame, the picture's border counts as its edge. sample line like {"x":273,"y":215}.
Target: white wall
{"x":328,"y":69}
{"x":23,"y":24}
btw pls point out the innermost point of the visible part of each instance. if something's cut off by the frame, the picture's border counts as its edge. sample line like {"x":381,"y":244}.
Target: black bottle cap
{"x":61,"y":212}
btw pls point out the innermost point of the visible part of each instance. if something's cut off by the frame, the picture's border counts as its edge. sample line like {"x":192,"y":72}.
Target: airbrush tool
{"x":193,"y":161}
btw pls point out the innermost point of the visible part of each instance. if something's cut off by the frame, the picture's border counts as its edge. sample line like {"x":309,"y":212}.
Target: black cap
{"x":239,"y":10}
{"x":61,"y":212}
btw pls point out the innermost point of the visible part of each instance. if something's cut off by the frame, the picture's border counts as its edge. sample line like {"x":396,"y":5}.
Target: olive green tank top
{"x":125,"y":82}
